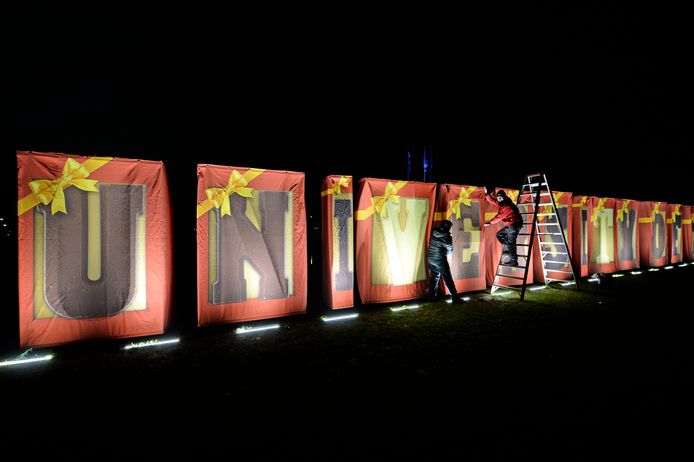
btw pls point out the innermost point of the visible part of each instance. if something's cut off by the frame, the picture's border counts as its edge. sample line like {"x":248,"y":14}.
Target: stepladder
{"x":543,"y":232}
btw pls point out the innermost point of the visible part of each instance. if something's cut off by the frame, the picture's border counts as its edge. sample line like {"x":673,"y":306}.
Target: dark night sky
{"x":578,"y":93}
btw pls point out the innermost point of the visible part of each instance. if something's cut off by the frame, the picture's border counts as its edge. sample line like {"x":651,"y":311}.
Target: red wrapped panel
{"x":601,"y":235}
{"x":493,"y":248}
{"x":687,"y":232}
{"x":653,"y":233}
{"x":94,"y":248}
{"x":553,"y":251}
{"x":581,"y":208}
{"x":463,"y":205}
{"x":393,"y":227}
{"x":338,"y":241}
{"x":675,"y":233}
{"x":251,"y":244}
{"x":626,"y":229}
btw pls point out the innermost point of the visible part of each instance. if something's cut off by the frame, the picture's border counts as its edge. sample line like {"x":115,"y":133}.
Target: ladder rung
{"x":510,"y":277}
{"x":507,"y":287}
{"x":546,"y":214}
{"x":560,"y":280}
{"x":535,"y":194}
{"x":554,"y":253}
{"x":551,"y":243}
{"x":559,"y":271}
{"x":532,"y":185}
{"x":513,"y":266}
{"x":550,"y":234}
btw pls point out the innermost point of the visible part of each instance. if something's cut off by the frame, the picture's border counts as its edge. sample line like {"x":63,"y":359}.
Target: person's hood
{"x":439,"y":233}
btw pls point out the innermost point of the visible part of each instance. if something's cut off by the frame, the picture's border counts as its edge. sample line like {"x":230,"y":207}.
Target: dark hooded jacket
{"x":441,"y":242}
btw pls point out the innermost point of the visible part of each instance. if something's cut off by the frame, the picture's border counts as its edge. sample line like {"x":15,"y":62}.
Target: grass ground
{"x":564,"y":375}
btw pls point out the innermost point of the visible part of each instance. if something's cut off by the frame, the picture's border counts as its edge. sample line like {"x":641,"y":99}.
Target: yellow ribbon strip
{"x":651,"y":219}
{"x":51,"y":191}
{"x":454,"y":208}
{"x":600,"y":207}
{"x":674,"y":214}
{"x":336,"y":188}
{"x":687,"y":221}
{"x":378,"y":203}
{"x":219,"y":197}
{"x":623,"y":210}
{"x":582,"y":203}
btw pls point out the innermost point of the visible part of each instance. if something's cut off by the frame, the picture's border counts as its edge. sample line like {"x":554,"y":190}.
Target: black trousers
{"x":507,"y":236}
{"x":437,"y":270}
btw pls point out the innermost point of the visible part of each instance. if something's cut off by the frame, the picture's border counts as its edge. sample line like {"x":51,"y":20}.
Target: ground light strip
{"x":24,"y":361}
{"x":245,"y":329}
{"x":502,"y":293}
{"x":339,"y":318}
{"x":465,"y":299}
{"x":404,"y":307}
{"x":568,"y":283}
{"x":149,"y":343}
{"x":636,"y":272}
{"x":538,"y":288}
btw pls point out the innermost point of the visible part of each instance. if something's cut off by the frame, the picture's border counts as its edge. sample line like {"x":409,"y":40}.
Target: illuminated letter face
{"x":397,"y":245}
{"x":603,"y":237}
{"x":466,"y":242}
{"x":553,"y":244}
{"x":343,"y":245}
{"x":626,"y":236}
{"x":659,"y":240}
{"x":90,"y":262}
{"x":251,"y":249}
{"x":677,"y":235}
{"x":584,"y":236}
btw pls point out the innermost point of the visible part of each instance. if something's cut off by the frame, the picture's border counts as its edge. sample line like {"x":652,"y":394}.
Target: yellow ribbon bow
{"x":599,"y":208}
{"x":676,"y":211}
{"x":379,"y":202}
{"x":463,"y":198}
{"x":548,"y":208}
{"x":655,"y":210}
{"x":220,"y":196}
{"x":582,"y":203}
{"x":51,"y":191}
{"x":336,"y":188}
{"x":623,"y":210}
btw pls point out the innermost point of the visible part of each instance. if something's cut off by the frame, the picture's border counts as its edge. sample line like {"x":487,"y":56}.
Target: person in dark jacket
{"x":509,"y":214}
{"x":440,"y":247}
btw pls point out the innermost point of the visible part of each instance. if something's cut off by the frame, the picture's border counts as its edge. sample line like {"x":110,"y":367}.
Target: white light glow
{"x":24,"y":361}
{"x":339,"y":318}
{"x":654,"y":269}
{"x":246,"y":329}
{"x":617,"y":275}
{"x":465,"y":299}
{"x":683,"y":264}
{"x":568,"y":283}
{"x":636,"y":272}
{"x":149,"y":343}
{"x":593,"y":280}
{"x":538,"y":288}
{"x":502,"y":293}
{"x":669,"y":267}
{"x":404,"y":307}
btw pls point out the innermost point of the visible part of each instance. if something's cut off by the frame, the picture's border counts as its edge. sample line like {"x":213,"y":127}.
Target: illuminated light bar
{"x":538,"y":288}
{"x":404,"y":307}
{"x":568,"y":283}
{"x":617,"y":275}
{"x":593,"y":280}
{"x":465,"y":299}
{"x":339,"y":318}
{"x":683,"y":264}
{"x":669,"y":267}
{"x":246,"y":329}
{"x":654,"y":269}
{"x":502,"y":293}
{"x":25,"y":361}
{"x":636,"y":272}
{"x":149,"y":343}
